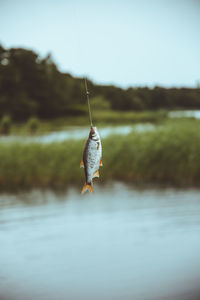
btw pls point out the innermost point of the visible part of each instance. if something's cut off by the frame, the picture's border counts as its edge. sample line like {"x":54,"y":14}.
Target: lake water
{"x":120,"y":243}
{"x":185,"y":114}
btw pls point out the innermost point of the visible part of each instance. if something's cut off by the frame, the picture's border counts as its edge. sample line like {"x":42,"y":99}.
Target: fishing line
{"x":88,"y":100}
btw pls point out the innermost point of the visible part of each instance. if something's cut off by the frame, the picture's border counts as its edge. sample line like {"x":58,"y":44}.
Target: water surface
{"x":185,"y":114}
{"x":121,"y":243}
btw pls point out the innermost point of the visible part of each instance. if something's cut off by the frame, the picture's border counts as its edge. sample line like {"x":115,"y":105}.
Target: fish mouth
{"x":93,"y":134}
{"x":92,"y":130}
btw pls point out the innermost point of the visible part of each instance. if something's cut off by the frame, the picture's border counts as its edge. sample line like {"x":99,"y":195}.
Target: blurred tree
{"x":31,"y":85}
{"x":100,"y":103}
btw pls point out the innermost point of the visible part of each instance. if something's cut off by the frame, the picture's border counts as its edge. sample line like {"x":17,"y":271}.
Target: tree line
{"x":34,"y":86}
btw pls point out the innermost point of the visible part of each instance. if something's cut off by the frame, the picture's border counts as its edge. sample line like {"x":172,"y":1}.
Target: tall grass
{"x":168,"y":155}
{"x":31,"y":165}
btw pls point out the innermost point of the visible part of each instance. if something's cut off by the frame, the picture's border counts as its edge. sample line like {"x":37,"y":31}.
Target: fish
{"x":92,"y":159}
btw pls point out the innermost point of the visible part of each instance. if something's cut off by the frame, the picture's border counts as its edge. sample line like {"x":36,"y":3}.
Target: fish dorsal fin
{"x":100,"y":163}
{"x":82,"y":164}
{"x":96,"y":174}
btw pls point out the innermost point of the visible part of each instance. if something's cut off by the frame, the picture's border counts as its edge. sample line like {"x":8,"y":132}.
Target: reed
{"x":168,"y":155}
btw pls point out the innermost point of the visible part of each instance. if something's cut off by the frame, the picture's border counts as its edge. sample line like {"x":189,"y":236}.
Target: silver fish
{"x":92,"y":158}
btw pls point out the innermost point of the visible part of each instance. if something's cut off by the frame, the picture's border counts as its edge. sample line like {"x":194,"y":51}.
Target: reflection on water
{"x":121,"y":243}
{"x":185,"y":114}
{"x":77,"y":133}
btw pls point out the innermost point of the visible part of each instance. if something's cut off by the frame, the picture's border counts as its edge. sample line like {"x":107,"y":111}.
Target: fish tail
{"x":87,"y":186}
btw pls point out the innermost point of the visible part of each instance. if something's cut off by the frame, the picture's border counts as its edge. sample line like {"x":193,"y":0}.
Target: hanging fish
{"x":92,"y":158}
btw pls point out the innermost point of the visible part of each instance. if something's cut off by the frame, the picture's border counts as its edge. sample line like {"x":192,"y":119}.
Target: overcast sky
{"x":124,"y":42}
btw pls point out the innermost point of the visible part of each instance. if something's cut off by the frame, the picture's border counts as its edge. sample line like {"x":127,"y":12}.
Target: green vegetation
{"x":33,"y":125}
{"x":168,"y":155}
{"x":116,"y":117}
{"x":5,"y":124}
{"x":99,"y":104}
{"x":29,"y":165}
{"x":101,"y":118}
{"x":33,"y":86}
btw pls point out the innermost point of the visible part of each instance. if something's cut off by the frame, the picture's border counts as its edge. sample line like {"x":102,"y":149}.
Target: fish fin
{"x":87,"y":186}
{"x":96,"y":174}
{"x":101,"y":164}
{"x":98,"y":144}
{"x":82,"y":164}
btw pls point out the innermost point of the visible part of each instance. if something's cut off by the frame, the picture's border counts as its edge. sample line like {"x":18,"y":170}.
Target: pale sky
{"x":123,"y":42}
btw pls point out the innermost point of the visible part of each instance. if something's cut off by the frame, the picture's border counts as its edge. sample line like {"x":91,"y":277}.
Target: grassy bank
{"x":101,"y":118}
{"x":168,"y":155}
